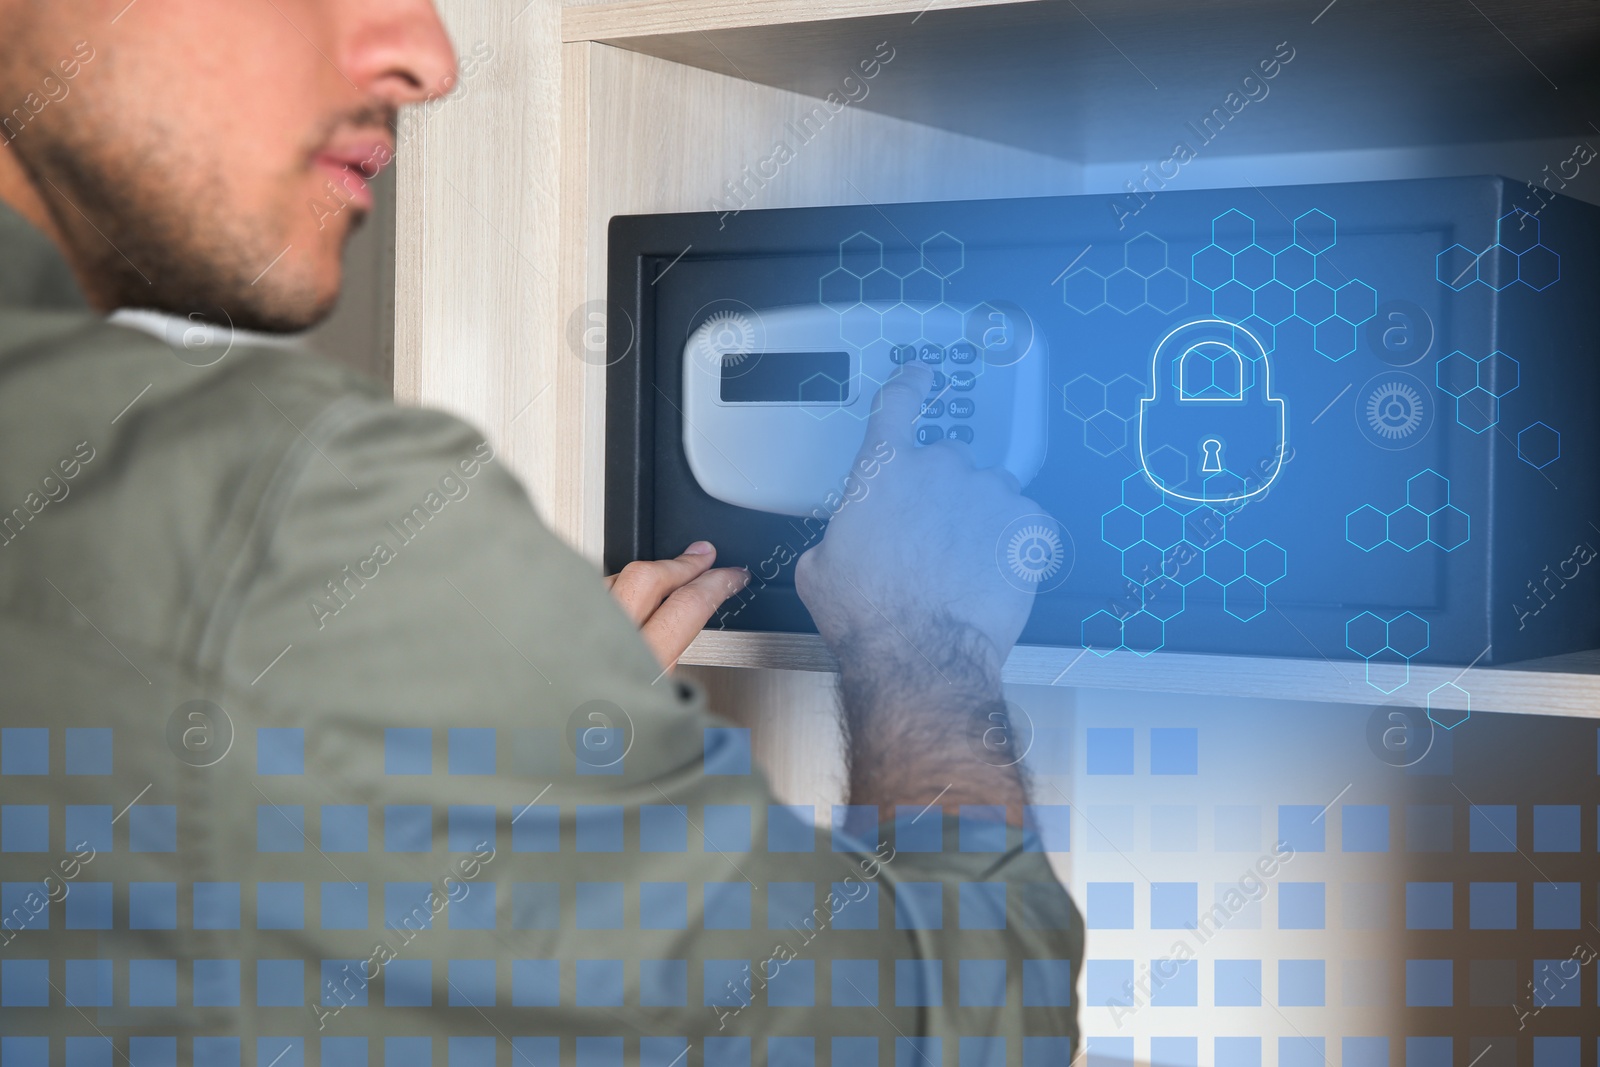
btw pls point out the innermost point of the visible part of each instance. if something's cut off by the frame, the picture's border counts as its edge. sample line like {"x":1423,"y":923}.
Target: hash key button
{"x":960,"y":433}
{"x":961,"y":407}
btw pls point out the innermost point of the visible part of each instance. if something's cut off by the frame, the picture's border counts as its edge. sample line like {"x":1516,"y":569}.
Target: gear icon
{"x":1035,"y":553}
{"x":1394,"y":410}
{"x":726,"y":339}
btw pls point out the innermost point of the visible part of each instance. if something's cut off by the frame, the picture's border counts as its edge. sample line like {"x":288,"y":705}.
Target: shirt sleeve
{"x":512,"y":827}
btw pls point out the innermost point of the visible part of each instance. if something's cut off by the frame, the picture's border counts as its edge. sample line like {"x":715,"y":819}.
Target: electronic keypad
{"x":776,"y":402}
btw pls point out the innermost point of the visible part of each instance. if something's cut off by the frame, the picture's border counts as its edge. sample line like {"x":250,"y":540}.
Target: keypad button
{"x":961,"y":352}
{"x":961,"y":407}
{"x":963,"y":380}
{"x":940,"y":381}
{"x":960,"y":433}
{"x":932,"y":409}
{"x":927,"y":435}
{"x":903,"y":353}
{"x":930,"y":354}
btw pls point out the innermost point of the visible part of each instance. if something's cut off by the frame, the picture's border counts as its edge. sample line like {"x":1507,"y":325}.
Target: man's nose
{"x":398,"y":51}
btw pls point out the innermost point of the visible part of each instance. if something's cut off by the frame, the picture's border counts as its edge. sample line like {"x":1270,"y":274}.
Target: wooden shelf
{"x":663,"y":100}
{"x":1561,"y":685}
{"x":1101,"y":80}
{"x":608,"y":23}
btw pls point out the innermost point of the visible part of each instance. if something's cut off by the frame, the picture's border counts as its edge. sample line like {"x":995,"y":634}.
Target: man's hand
{"x":917,"y":549}
{"x":907,"y":590}
{"x":671,"y":600}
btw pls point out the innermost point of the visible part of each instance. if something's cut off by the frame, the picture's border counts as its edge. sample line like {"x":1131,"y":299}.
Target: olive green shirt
{"x":318,"y":745}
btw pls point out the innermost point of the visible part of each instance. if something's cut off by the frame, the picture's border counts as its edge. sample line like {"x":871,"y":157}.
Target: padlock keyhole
{"x":1211,"y":456}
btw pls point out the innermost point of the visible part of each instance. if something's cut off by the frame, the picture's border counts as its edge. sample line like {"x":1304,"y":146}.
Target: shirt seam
{"x":255,"y":533}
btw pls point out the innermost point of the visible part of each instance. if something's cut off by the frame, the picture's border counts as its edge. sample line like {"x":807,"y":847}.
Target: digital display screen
{"x":786,"y":378}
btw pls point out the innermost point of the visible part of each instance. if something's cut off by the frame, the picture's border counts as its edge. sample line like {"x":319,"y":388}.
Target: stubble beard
{"x":139,"y":239}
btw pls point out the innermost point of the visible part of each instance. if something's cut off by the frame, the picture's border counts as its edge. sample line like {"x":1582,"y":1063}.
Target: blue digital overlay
{"x":1246,"y":373}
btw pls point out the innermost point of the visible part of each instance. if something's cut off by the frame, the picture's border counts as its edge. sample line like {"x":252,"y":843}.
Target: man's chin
{"x":285,"y":298}
{"x":295,"y":291}
{"x":257,"y":312}
{"x":287,"y":320}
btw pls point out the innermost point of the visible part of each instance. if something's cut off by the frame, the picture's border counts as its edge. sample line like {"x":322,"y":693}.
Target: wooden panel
{"x":476,"y":322}
{"x":579,"y":397}
{"x":794,"y":731}
{"x":1100,"y":80}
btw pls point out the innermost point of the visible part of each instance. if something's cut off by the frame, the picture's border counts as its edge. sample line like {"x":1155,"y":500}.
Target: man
{"x":317,"y":744}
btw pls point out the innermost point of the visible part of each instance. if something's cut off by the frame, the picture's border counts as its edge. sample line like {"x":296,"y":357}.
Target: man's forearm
{"x":925,"y":721}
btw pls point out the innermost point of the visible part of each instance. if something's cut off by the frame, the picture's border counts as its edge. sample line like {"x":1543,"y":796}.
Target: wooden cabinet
{"x":590,"y":110}
{"x":586,"y":111}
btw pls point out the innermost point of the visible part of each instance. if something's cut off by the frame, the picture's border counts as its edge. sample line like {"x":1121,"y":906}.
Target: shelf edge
{"x":649,"y":18}
{"x":1498,"y":689}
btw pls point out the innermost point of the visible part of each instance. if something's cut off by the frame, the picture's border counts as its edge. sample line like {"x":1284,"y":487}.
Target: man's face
{"x":210,"y":156}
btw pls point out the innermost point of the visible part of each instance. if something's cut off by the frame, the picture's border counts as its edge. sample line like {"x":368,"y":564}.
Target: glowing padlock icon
{"x":1211,"y":431}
